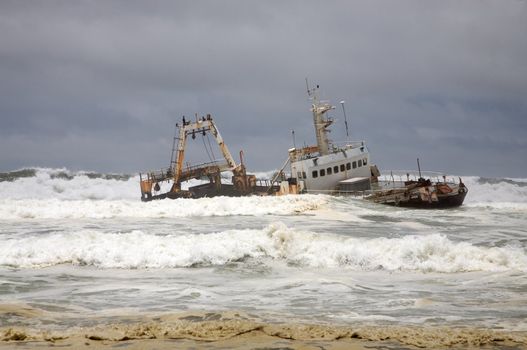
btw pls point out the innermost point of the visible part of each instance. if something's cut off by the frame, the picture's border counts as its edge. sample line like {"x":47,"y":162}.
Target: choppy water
{"x":83,"y":244}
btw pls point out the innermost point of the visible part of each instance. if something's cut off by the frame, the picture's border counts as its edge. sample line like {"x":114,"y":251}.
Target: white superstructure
{"x":321,"y":168}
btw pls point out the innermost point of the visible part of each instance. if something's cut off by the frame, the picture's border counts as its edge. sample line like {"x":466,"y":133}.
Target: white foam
{"x":486,"y":193}
{"x":138,"y":249}
{"x":412,"y":225}
{"x":45,"y":186}
{"x":12,"y":209}
{"x":505,"y":206}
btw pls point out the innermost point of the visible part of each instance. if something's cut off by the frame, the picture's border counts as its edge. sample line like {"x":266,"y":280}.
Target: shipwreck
{"x":178,"y":172}
{"x":327,"y":168}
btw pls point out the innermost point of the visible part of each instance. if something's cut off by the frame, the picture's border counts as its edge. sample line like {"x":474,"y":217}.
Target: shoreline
{"x":236,"y":330}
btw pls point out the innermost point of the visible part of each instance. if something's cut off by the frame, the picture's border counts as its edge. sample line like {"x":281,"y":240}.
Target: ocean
{"x":79,"y":249}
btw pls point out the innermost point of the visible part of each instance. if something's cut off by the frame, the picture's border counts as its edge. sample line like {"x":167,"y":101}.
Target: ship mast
{"x":321,"y":122}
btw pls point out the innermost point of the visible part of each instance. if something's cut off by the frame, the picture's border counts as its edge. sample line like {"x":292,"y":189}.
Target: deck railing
{"x":401,"y":176}
{"x":348,"y":144}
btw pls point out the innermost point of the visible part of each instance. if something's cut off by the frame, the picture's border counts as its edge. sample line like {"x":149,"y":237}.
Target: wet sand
{"x":236,"y":330}
{"x":252,"y":340}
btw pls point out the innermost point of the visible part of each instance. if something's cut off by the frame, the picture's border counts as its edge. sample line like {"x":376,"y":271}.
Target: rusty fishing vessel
{"x":212,"y":172}
{"x":347,"y":170}
{"x":427,"y":190}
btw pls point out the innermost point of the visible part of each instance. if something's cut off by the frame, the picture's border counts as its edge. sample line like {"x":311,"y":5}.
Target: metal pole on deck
{"x":345,"y":117}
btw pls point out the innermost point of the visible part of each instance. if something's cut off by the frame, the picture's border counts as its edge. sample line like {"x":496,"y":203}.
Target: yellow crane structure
{"x":177,"y":173}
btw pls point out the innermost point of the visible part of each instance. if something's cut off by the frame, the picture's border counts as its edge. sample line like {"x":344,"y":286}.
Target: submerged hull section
{"x":422,"y":194}
{"x":442,"y":202}
{"x":212,"y":190}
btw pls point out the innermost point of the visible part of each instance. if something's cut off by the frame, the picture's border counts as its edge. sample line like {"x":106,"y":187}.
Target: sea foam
{"x":496,"y":193}
{"x":12,"y":209}
{"x":139,"y":249}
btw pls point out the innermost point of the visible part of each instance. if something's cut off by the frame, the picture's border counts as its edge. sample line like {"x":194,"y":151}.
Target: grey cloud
{"x":100,"y":85}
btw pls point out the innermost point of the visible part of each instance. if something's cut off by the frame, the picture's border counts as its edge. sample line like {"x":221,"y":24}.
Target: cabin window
{"x":335,"y":169}
{"x":342,"y":167}
{"x":354,"y":165}
{"x":299,"y":174}
{"x":348,"y":166}
{"x":360,"y":162}
{"x":328,"y":170}
{"x":314,"y":174}
{"x":322,"y":172}
{"x":365,"y":161}
{"x":304,"y":175}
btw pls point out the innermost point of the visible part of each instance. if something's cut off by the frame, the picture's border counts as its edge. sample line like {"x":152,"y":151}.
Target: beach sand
{"x":236,"y":330}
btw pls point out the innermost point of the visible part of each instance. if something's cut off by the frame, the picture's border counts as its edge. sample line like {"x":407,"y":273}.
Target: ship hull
{"x":441,"y":203}
{"x":422,"y":197}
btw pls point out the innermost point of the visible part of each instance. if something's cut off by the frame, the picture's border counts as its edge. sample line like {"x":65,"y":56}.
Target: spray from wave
{"x":496,"y":192}
{"x":46,"y":183}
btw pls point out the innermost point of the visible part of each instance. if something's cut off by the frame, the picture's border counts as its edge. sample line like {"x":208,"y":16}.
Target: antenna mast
{"x":321,"y":122}
{"x":345,"y":118}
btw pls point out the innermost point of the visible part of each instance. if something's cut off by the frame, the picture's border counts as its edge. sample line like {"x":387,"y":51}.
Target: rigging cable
{"x":211,"y":150}
{"x":206,"y":150}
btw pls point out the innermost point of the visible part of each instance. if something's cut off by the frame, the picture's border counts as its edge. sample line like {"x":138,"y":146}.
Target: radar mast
{"x":321,"y":122}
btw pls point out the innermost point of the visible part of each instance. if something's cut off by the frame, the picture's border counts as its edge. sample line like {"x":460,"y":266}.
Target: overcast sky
{"x":99,"y":85}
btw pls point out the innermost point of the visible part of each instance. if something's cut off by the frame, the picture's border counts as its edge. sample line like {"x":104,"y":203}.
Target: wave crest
{"x":137,"y":249}
{"x":202,"y":207}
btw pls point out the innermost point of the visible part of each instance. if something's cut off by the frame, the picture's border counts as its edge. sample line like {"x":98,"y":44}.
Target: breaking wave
{"x":496,"y":192}
{"x":139,"y":250}
{"x":177,"y":208}
{"x":43,"y":183}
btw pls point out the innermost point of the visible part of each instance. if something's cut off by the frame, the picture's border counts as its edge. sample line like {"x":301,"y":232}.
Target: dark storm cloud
{"x":99,"y":85}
